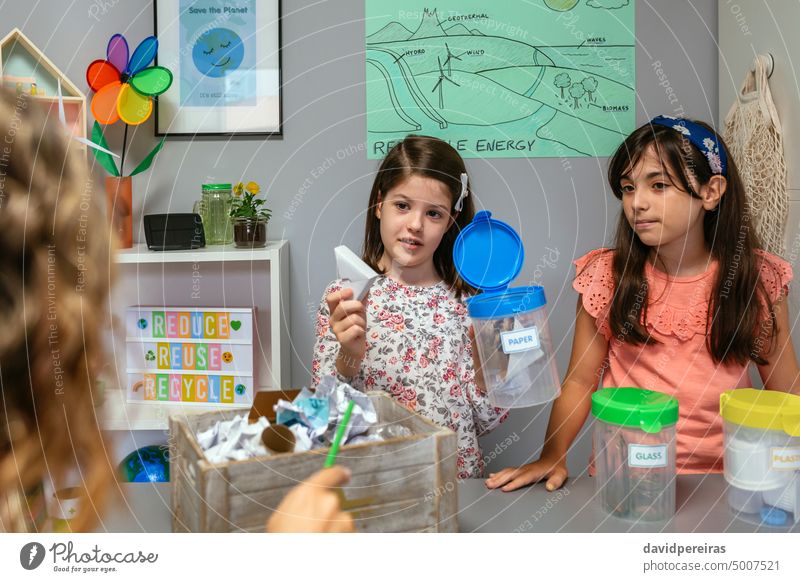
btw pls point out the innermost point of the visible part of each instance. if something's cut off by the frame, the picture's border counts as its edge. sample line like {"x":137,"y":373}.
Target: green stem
{"x":124,"y":147}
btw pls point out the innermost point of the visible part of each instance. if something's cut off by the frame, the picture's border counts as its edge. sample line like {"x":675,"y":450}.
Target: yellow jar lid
{"x":765,"y":409}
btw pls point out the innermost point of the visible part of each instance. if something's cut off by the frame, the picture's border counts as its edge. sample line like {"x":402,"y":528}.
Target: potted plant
{"x":249,"y":216}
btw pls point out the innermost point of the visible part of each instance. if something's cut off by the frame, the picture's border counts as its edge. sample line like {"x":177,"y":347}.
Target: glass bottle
{"x":214,"y":207}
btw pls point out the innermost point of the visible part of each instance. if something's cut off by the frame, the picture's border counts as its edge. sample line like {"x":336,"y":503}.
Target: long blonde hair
{"x":54,"y":285}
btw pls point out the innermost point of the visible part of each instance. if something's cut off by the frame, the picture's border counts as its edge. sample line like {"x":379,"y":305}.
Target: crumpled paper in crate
{"x":313,"y":417}
{"x":308,"y":410}
{"x":233,"y":440}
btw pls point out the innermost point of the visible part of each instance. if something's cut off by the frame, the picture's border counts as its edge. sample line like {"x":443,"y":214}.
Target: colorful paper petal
{"x":104,"y":103}
{"x":103,"y":158}
{"x":143,"y":55}
{"x":133,"y":108}
{"x":117,"y":52}
{"x":152,"y":81}
{"x":100,"y":73}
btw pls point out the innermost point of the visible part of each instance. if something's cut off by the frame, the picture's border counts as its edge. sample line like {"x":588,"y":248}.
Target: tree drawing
{"x":577,"y":91}
{"x":590,"y":86}
{"x":562,"y":81}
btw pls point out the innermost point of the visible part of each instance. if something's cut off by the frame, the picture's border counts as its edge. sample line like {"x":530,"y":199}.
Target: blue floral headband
{"x":703,"y":139}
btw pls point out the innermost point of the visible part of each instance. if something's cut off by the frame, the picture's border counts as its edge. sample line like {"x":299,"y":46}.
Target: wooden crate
{"x":404,"y":484}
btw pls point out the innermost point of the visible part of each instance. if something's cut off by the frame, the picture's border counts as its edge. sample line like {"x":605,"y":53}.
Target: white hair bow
{"x":464,"y":192}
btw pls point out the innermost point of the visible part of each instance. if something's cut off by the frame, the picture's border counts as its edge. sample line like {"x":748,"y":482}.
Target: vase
{"x":215,"y":209}
{"x":250,"y":232}
{"x":119,"y":204}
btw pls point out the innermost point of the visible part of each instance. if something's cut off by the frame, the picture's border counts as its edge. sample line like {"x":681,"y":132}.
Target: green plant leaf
{"x":248,"y":206}
{"x":103,"y":158}
{"x":148,"y":160}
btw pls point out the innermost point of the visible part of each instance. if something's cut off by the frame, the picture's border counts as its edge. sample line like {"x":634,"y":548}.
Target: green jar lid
{"x":217,"y":187}
{"x":647,"y":410}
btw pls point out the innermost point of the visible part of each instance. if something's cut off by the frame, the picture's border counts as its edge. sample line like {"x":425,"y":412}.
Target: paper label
{"x":647,"y":456}
{"x":520,"y":340}
{"x":786,"y":458}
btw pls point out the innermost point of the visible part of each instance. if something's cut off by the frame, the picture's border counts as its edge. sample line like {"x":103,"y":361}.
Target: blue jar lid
{"x":506,"y":303}
{"x":488,"y":253}
{"x":773,"y":516}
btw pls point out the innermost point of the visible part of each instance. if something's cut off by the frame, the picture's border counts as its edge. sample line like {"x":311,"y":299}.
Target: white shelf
{"x":139,"y":253}
{"x":119,"y":414}
{"x":146,"y":281}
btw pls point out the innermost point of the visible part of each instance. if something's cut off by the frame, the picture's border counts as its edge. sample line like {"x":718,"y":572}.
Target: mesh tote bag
{"x":753,"y":134}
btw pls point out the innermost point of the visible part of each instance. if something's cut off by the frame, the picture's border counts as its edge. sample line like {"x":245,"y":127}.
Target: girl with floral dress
{"x":410,"y":336}
{"x":682,"y":304}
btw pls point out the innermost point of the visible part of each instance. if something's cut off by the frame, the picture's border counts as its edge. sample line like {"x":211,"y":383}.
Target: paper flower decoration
{"x":125,"y":86}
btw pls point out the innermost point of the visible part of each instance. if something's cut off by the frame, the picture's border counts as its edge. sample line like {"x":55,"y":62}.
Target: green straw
{"x":337,"y":440}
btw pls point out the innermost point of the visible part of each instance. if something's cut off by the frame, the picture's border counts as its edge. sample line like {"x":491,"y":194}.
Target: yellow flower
{"x":253,"y":188}
{"x":238,"y":190}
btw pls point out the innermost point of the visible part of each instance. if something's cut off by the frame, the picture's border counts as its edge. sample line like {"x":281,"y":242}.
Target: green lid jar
{"x":646,"y":410}
{"x":215,"y":207}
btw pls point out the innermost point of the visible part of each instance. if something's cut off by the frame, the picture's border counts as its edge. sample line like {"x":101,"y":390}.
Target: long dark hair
{"x":430,"y":157}
{"x":737,"y":294}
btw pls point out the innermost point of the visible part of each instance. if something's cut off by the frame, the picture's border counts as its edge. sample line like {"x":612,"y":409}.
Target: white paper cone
{"x":354,"y":272}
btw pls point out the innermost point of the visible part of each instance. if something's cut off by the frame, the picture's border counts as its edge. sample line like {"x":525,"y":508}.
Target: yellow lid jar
{"x":762,"y":454}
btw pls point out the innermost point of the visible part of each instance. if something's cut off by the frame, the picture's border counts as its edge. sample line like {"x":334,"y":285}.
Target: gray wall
{"x":562,"y":208}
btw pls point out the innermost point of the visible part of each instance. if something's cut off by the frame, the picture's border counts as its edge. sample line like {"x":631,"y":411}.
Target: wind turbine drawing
{"x":438,"y":85}
{"x":450,"y":56}
{"x":62,"y":117}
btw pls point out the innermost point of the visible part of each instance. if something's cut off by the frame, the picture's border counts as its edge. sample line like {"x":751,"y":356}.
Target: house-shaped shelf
{"x":22,"y":63}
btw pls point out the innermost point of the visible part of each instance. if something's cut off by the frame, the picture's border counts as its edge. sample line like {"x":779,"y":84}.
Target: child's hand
{"x":476,"y":363}
{"x":554,"y":472}
{"x":313,"y":506}
{"x":348,"y":322}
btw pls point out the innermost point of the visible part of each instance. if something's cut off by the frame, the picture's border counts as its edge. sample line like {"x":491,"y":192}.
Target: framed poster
{"x":190,"y":355}
{"x":225,"y":56}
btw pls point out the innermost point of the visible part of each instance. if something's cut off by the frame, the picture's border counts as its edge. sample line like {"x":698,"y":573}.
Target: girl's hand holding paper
{"x":348,"y":318}
{"x":348,"y":322}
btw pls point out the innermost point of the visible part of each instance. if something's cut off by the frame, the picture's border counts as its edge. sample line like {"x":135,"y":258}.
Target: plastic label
{"x":647,"y":456}
{"x":520,"y":340}
{"x":786,"y":458}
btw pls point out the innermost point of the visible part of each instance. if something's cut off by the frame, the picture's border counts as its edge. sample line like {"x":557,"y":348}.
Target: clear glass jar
{"x":215,"y":207}
{"x":634,"y":450}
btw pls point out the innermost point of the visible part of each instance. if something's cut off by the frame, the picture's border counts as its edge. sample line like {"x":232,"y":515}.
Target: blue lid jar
{"x":488,"y":254}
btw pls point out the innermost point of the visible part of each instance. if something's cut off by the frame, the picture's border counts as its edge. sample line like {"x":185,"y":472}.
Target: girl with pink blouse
{"x":410,"y":335}
{"x":682,"y":304}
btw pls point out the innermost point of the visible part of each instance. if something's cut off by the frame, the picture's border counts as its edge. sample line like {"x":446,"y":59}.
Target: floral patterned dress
{"x":418,"y":350}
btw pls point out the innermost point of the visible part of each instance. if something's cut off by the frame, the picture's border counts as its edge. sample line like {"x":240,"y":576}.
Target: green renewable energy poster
{"x":534,"y":78}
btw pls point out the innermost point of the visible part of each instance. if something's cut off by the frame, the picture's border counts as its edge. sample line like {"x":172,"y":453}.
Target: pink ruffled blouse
{"x":680,"y":364}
